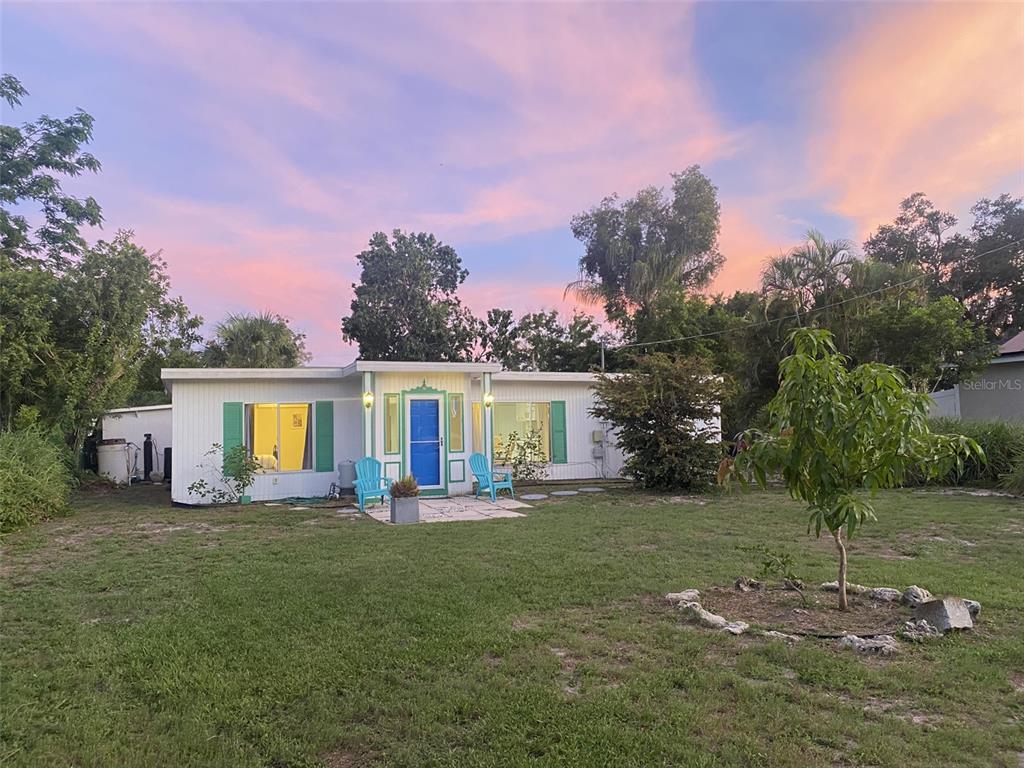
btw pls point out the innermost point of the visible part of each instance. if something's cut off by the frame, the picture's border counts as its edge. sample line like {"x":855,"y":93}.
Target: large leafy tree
{"x":638,"y":247}
{"x":664,"y":411}
{"x":930,"y":340}
{"x":406,"y":304}
{"x":262,"y":340}
{"x":99,"y":305}
{"x":983,"y":269}
{"x":879,"y":310}
{"x":76,"y":322}
{"x":173,"y":339}
{"x":28,"y":343}
{"x":917,"y":236}
{"x":540,"y":341}
{"x":836,"y":435}
{"x":34,"y":158}
{"x":989,"y":277}
{"x":679,"y":323}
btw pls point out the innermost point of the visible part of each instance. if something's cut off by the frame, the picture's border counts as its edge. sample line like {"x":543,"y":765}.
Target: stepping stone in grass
{"x":297,"y":509}
{"x":564,"y":493}
{"x":533,"y":496}
{"x":591,"y":489}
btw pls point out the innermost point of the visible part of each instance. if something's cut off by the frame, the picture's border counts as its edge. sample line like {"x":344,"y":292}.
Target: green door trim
{"x":426,"y":393}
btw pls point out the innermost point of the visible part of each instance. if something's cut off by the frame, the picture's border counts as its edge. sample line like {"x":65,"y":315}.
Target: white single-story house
{"x":996,"y":394}
{"x":423,"y":419}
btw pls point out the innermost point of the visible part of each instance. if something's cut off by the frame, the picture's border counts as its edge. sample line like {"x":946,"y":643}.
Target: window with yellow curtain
{"x":478,"y":429}
{"x":392,"y":424}
{"x":523,"y":419}
{"x":280,"y":435}
{"x":456,"y":427}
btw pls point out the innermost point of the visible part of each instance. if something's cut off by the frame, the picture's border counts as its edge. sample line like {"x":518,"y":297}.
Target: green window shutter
{"x":324,"y":435}
{"x":559,"y":450}
{"x":233,"y":426}
{"x":234,"y":421}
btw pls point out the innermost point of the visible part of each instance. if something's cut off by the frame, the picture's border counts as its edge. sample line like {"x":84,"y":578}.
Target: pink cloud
{"x":927,"y":98}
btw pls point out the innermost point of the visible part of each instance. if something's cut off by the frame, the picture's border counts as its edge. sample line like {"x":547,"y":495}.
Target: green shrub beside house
{"x":35,"y":480}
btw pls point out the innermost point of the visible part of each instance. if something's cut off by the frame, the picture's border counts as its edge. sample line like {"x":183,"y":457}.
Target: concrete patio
{"x":454,"y":509}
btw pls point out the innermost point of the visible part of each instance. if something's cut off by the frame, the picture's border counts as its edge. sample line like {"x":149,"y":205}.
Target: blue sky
{"x":258,"y":145}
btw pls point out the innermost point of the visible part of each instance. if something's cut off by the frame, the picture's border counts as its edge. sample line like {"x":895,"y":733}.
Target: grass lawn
{"x":136,"y":634}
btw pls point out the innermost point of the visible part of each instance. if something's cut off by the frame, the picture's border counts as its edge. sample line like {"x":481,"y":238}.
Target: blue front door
{"x":425,"y":442}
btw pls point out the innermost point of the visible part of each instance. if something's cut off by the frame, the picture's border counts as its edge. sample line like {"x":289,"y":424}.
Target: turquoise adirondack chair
{"x":370,"y":481}
{"x":487,"y":479}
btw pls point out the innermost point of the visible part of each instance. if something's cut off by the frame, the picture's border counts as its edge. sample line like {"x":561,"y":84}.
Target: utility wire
{"x":798,"y":315}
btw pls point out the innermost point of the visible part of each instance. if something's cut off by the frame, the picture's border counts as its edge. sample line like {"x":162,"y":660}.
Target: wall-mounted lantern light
{"x":488,"y":400}
{"x":367,"y":400}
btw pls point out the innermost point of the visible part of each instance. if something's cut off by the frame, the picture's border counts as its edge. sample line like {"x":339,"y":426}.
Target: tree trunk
{"x":838,"y":536}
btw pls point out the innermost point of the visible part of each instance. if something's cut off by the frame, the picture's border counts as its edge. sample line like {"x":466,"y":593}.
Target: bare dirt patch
{"x":786,"y":611}
{"x":895,"y":707}
{"x":567,"y":663}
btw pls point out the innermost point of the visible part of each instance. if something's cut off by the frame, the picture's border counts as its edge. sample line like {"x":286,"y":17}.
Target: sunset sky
{"x":258,"y":145}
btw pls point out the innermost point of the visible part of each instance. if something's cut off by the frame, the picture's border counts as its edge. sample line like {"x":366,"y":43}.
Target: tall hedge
{"x":35,"y":479}
{"x":1003,"y":443}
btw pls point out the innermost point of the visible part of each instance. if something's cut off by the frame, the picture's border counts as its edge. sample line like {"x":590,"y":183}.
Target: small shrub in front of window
{"x":525,"y":455}
{"x":231,"y":475}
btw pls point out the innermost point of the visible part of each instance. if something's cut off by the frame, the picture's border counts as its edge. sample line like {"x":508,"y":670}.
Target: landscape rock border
{"x":932,"y":617}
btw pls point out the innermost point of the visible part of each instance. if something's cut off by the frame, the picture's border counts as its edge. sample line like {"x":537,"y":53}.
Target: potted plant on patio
{"x":405,"y":502}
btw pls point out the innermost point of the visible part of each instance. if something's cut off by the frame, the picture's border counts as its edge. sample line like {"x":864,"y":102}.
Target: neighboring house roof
{"x":1013,"y":346}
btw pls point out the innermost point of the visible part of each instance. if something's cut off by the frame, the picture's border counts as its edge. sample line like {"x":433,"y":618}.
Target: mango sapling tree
{"x":837,"y":435}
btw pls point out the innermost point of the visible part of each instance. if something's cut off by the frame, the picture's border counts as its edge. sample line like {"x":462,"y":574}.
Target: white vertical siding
{"x":198,"y":423}
{"x":579,"y":427}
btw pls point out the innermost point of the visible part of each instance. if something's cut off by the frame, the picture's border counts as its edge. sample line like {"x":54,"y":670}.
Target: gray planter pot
{"x":405,"y":510}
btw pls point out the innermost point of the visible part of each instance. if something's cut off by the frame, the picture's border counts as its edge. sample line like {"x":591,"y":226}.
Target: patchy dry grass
{"x":137,"y":634}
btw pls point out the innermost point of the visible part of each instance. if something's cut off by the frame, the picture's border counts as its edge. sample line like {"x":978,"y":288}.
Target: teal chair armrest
{"x":387,"y":481}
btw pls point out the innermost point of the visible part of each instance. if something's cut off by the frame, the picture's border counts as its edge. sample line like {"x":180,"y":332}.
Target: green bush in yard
{"x":35,"y":479}
{"x":1002,"y":442}
{"x":663,"y":411}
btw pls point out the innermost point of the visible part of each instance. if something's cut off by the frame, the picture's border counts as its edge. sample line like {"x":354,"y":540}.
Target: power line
{"x":798,"y":315}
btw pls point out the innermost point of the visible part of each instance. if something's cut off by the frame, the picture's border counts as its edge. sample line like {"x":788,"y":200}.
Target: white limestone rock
{"x":851,"y":588}
{"x":915,"y":595}
{"x":686,"y":596}
{"x":885,"y":594}
{"x":919,"y":631}
{"x":882,"y":645}
{"x":776,"y":635}
{"x":698,"y":613}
